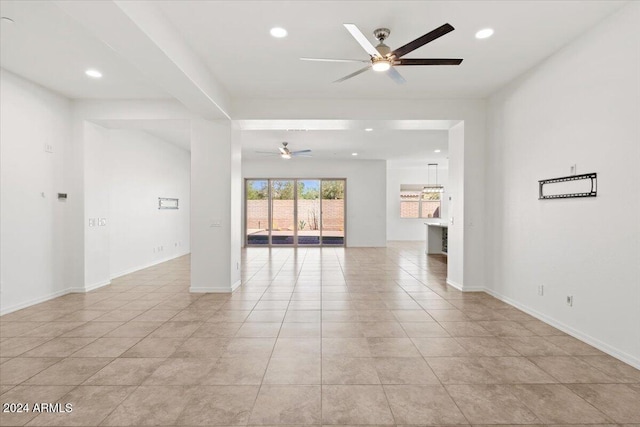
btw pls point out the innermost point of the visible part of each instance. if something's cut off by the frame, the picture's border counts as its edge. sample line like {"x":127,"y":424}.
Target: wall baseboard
{"x":606,"y":348}
{"x":151,"y":264}
{"x":462,"y":288}
{"x":88,"y":288}
{"x":34,"y":301}
{"x":455,"y":285}
{"x":214,"y":289}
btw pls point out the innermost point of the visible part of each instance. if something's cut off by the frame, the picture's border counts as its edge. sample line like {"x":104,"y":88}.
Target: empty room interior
{"x":264,"y":213}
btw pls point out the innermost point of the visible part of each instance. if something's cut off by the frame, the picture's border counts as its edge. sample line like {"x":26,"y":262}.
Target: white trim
{"x":34,"y":301}
{"x":625,"y":357}
{"x":620,"y":355}
{"x":455,"y":285}
{"x":214,"y":289}
{"x":90,"y":287}
{"x":151,"y":264}
{"x":474,"y":289}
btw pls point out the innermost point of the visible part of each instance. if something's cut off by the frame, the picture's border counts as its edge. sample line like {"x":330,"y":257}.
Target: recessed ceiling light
{"x":278,"y":32}
{"x":354,"y":154}
{"x":8,"y":20}
{"x":485,"y":33}
{"x":95,"y":74}
{"x":368,"y":129}
{"x":436,"y":151}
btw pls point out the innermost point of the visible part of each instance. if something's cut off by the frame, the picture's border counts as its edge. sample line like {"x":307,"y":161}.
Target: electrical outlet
{"x":573,"y":169}
{"x":48,"y":148}
{"x":570,"y":300}
{"x":541,"y":290}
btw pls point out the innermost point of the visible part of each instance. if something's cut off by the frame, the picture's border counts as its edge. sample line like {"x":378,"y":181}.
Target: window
{"x":416,"y":203}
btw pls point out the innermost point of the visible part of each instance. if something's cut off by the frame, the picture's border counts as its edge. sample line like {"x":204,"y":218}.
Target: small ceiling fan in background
{"x":383,"y":59}
{"x":285,"y":153}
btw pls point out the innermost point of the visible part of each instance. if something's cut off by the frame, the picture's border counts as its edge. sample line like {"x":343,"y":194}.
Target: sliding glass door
{"x":283,"y":215}
{"x":333,"y":212}
{"x":308,"y":209}
{"x":257,"y":211}
{"x":295,"y":212}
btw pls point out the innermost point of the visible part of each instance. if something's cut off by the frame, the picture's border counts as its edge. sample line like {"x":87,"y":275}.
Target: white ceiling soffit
{"x":140,"y":33}
{"x":130,"y":43}
{"x":380,"y":144}
{"x":306,"y":125}
{"x":233,"y":39}
{"x":50,"y":48}
{"x":176,"y":132}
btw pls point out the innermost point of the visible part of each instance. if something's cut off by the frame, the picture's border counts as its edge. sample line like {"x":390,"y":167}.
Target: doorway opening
{"x":295,"y":212}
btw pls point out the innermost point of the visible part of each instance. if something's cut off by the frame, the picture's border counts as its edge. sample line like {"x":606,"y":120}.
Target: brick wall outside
{"x":410,"y":209}
{"x":258,"y":214}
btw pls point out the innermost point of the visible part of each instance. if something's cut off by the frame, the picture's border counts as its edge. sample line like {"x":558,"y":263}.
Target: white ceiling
{"x":176,"y":132}
{"x":233,"y":38}
{"x":48,"y":47}
{"x":383,"y":144}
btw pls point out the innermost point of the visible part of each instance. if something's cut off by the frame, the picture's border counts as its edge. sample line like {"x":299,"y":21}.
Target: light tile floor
{"x":314,"y":336}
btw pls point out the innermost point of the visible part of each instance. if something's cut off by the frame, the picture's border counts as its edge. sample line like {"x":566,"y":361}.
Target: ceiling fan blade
{"x":302,"y":155}
{"x":360,"y":71}
{"x":333,"y":60}
{"x":360,"y":38}
{"x":430,"y":61}
{"x":300,"y":152}
{"x":282,"y":150}
{"x":421,"y":41}
{"x":396,"y":76}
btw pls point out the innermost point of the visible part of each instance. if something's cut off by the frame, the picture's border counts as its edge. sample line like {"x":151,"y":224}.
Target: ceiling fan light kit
{"x":383,"y":59}
{"x":380,"y":64}
{"x":285,"y":153}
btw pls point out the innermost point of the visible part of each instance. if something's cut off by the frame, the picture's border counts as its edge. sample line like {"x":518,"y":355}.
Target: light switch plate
{"x":102,"y":222}
{"x":92,"y":222}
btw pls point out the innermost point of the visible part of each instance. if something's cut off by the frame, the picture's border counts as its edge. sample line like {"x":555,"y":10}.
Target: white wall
{"x":97,"y":173}
{"x":581,"y":106}
{"x":457,"y":274}
{"x":412,"y":228}
{"x":125,"y":173}
{"x":141,"y":169}
{"x":32,"y":220}
{"x":215,"y":163}
{"x":366,"y":191}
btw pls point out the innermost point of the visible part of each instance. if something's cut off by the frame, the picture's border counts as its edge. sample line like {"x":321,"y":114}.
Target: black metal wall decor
{"x":591,"y":191}
{"x":167,"y":203}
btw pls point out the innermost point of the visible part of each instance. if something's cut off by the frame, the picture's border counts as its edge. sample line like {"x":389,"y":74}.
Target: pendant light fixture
{"x":432,"y":188}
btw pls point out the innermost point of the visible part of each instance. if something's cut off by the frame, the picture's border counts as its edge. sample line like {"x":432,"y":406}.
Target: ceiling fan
{"x":383,"y":59}
{"x":286,"y":154}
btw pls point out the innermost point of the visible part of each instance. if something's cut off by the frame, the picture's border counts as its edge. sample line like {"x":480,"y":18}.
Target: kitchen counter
{"x":436,"y":238}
